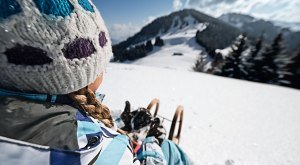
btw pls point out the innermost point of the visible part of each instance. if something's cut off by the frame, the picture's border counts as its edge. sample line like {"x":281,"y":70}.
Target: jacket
{"x":45,"y":129}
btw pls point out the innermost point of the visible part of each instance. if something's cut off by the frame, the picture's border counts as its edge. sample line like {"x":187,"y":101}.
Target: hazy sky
{"x":126,"y":17}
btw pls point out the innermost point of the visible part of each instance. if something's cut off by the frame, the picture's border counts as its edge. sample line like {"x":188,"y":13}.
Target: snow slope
{"x":227,"y":122}
{"x":176,"y":41}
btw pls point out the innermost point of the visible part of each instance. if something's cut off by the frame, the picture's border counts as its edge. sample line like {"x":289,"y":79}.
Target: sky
{"x":126,"y":17}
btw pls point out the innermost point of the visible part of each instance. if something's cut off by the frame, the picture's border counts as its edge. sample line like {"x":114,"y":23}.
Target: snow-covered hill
{"x":217,"y":33}
{"x":227,"y":122}
{"x":181,"y":41}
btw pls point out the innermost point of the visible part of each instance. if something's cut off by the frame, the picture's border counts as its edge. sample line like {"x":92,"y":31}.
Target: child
{"x":52,"y":57}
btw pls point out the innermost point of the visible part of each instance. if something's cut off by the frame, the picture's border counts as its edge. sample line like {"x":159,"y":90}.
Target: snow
{"x":225,"y":51}
{"x":164,"y":57}
{"x":226,"y":121}
{"x":176,"y":41}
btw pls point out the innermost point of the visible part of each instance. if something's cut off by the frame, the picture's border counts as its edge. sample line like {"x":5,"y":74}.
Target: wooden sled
{"x":176,"y":122}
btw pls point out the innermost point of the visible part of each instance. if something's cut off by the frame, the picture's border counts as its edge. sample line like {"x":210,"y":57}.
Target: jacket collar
{"x":61,"y":99}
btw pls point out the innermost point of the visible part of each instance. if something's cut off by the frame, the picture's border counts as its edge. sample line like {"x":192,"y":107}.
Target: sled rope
{"x":164,"y":118}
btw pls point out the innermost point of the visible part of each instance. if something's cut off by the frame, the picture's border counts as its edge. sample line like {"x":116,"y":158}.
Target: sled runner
{"x":141,"y":118}
{"x":177,"y":119}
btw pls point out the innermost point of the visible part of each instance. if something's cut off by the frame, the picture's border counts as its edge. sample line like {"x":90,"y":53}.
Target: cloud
{"x":177,"y":4}
{"x":205,"y":3}
{"x":120,"y":32}
{"x":283,"y":10}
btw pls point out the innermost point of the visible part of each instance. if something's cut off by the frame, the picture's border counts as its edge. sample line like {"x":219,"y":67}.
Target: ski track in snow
{"x":226,"y":121}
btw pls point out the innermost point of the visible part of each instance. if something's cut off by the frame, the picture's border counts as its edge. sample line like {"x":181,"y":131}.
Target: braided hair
{"x":86,"y":99}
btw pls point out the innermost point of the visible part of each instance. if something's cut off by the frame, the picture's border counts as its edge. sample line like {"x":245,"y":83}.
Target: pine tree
{"x":149,"y":46}
{"x":159,"y":42}
{"x":254,"y":62}
{"x":216,"y":63}
{"x":231,"y":67}
{"x":283,"y":62}
{"x":199,"y":65}
{"x":269,"y":70}
{"x":257,"y":48}
{"x":294,"y":69}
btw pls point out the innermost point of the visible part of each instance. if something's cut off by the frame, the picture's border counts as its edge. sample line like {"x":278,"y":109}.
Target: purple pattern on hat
{"x":102,"y":39}
{"x":79,"y":48}
{"x":27,"y":55}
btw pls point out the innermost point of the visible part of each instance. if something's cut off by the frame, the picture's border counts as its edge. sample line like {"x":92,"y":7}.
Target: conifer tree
{"x":159,"y":42}
{"x":231,"y":67}
{"x":149,"y":46}
{"x":199,"y":65}
{"x":269,"y":70}
{"x":294,"y":72}
{"x":216,"y":63}
{"x":254,"y":62}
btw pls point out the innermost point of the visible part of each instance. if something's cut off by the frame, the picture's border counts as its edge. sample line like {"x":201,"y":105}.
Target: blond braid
{"x":86,"y":100}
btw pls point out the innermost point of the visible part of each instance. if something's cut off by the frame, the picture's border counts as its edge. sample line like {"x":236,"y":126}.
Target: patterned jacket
{"x":44,"y":129}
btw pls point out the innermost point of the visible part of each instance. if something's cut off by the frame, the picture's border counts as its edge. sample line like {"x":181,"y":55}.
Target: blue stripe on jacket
{"x":114,"y":151}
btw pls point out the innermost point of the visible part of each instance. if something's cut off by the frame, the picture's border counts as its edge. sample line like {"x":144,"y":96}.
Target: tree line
{"x":137,"y":51}
{"x":258,"y":62}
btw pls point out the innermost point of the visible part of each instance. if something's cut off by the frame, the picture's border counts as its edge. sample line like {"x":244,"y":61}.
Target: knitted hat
{"x":51,"y":46}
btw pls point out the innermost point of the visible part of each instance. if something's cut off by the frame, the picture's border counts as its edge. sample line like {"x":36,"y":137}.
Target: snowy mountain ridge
{"x":254,"y":28}
{"x":294,"y":26}
{"x":224,"y":34}
{"x":237,"y":19}
{"x":219,"y":33}
{"x":187,"y":25}
{"x":176,"y":40}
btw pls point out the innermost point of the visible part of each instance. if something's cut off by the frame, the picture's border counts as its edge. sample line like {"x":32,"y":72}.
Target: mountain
{"x":254,"y":28}
{"x":226,"y":121}
{"x":180,"y":50}
{"x":293,"y":26}
{"x":190,"y":33}
{"x":217,"y":33}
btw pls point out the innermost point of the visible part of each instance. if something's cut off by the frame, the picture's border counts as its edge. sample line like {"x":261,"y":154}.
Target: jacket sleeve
{"x":151,"y":153}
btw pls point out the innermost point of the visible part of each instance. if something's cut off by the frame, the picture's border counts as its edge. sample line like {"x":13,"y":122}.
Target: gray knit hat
{"x":51,"y":46}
